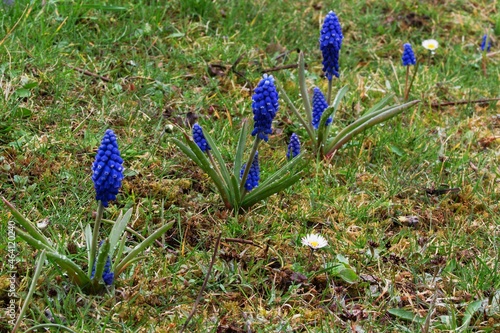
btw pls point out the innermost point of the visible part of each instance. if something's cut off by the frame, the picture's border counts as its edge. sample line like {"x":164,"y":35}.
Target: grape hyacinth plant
{"x":242,"y":187}
{"x":325,"y":146}
{"x":107,"y":175}
{"x":408,"y":59}
{"x":293,"y":147}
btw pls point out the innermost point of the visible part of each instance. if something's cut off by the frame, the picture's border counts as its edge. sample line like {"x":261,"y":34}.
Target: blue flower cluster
{"x":408,"y":57}
{"x":330,"y":42}
{"x":293,"y":147}
{"x":319,"y":106}
{"x":264,"y":105}
{"x":107,"y":170}
{"x":254,"y":174}
{"x":107,"y":275}
{"x":199,"y":138}
{"x":483,"y":44}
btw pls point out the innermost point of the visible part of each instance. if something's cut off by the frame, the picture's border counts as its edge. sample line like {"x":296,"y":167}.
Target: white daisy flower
{"x":430,"y":44}
{"x":314,"y":241}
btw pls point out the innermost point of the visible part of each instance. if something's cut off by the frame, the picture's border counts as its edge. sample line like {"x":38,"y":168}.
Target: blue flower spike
{"x":319,"y":106}
{"x":293,"y":147}
{"x":254,"y":174}
{"x":408,"y":57}
{"x":330,"y":43}
{"x":199,"y":138}
{"x":264,"y":105}
{"x":107,"y":170}
{"x":483,"y":43}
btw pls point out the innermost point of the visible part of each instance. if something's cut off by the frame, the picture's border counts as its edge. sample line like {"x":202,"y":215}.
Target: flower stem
{"x":95,"y":236}
{"x":411,"y":81}
{"x":248,"y":166}
{"x":407,"y":90}
{"x":329,"y":93}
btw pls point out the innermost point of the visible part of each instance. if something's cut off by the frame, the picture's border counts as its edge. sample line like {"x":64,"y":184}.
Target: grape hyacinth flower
{"x":264,"y":105}
{"x":107,"y":275}
{"x":253,"y":175}
{"x":330,"y":42}
{"x":483,"y":43}
{"x":293,"y":147}
{"x":107,"y":169}
{"x":199,"y":138}
{"x":319,"y":105}
{"x":408,"y":60}
{"x":408,"y":57}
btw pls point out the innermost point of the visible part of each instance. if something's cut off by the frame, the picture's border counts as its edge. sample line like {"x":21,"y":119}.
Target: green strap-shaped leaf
{"x":330,"y":111}
{"x":307,"y":126}
{"x":381,"y":104}
{"x":283,"y":170}
{"x":363,"y":123}
{"x":303,"y":88}
{"x":101,"y":262}
{"x":88,"y":238}
{"x":27,"y":225}
{"x":222,"y":166}
{"x":117,"y":231}
{"x":469,"y":312}
{"x":260,"y":194}
{"x":240,"y":148}
{"x":194,"y":152}
{"x":406,"y":315}
{"x":141,"y":247}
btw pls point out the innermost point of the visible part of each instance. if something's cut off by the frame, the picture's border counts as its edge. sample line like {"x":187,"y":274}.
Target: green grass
{"x":157,"y":57}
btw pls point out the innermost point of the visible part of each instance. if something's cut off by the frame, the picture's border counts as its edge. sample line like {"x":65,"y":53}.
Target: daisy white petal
{"x":314,"y":241}
{"x":430,"y":44}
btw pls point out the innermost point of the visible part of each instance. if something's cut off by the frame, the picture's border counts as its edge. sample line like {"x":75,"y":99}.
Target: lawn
{"x":409,"y":207}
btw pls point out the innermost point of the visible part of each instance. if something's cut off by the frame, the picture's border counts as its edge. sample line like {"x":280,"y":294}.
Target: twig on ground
{"x":204,"y":285}
{"x":278,"y":68}
{"x":89,"y":73}
{"x":483,"y":100}
{"x":240,"y":240}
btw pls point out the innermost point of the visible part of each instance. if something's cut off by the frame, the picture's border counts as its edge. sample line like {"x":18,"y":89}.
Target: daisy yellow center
{"x":314,"y":243}
{"x":431,"y":46}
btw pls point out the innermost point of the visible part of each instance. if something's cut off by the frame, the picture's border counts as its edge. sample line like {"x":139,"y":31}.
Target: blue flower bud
{"x":107,"y":275}
{"x":330,"y":42}
{"x":483,"y":44}
{"x":199,"y":138}
{"x":107,"y":170}
{"x":293,"y":147}
{"x":254,"y":174}
{"x":319,"y":106}
{"x":408,"y":57}
{"x":264,"y":105}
